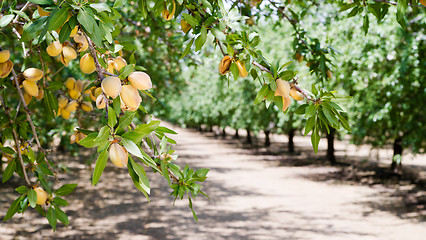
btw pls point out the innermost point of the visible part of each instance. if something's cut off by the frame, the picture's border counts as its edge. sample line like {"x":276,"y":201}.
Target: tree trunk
{"x":267,"y":139}
{"x":291,"y":140}
{"x":236,"y":134}
{"x":397,"y":149}
{"x":223,"y":133}
{"x":330,"y":147}
{"x":248,"y":136}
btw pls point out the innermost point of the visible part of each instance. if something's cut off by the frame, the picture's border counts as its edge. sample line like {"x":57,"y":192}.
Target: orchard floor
{"x":255,"y":193}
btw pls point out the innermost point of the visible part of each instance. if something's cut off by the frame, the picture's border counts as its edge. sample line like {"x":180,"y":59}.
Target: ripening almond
{"x":42,"y":12}
{"x":40,"y":94}
{"x":329,"y":74}
{"x":5,"y":68}
{"x":65,"y":60}
{"x":111,"y":66}
{"x":74,"y":93}
{"x":118,"y":155}
{"x":82,"y":43}
{"x":120,"y":63}
{"x":65,"y":114}
{"x":130,"y":96}
{"x":298,"y":56}
{"x":296,"y":95}
{"x":54,"y":49}
{"x":41,"y":195}
{"x":33,"y":74}
{"x":87,"y":64}
{"x":283,"y":88}
{"x":423,"y":2}
{"x":31,"y":88}
{"x":79,"y":85}
{"x":62,"y":102}
{"x":225,"y":65}
{"x":86,"y":106}
{"x":94,"y":93}
{"x":111,"y":86}
{"x":4,"y":56}
{"x":74,"y":31}
{"x":70,"y":83}
{"x":241,"y":69}
{"x":140,"y":80}
{"x":69,"y":53}
{"x":71,"y":106}
{"x":80,"y":136}
{"x":169,"y":15}
{"x":185,"y":26}
{"x":100,"y":101}
{"x":286,"y":102}
{"x":27,"y":98}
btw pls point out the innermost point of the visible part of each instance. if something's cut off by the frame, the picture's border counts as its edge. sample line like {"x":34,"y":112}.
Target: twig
{"x":17,"y":142}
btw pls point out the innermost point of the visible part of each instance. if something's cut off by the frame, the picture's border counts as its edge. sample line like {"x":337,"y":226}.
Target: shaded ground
{"x":254,"y":194}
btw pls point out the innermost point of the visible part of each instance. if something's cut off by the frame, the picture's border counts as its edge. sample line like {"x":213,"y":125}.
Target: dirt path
{"x":251,"y":198}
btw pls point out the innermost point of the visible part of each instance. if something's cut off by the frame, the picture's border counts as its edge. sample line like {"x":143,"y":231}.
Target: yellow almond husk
{"x":73,"y":137}
{"x":74,"y":31}
{"x":79,"y":85}
{"x":86,"y":106}
{"x":33,"y":74}
{"x":80,"y":136}
{"x":70,"y":83}
{"x":82,"y":43}
{"x":111,"y":66}
{"x":74,"y":93}
{"x":54,"y":49}
{"x":120,"y":63}
{"x":241,"y":69}
{"x":87,"y":64}
{"x":4,"y":56}
{"x":94,"y":93}
{"x":40,"y":94}
{"x":100,"y":102}
{"x":185,"y":26}
{"x":169,"y":15}
{"x":62,"y":102}
{"x":225,"y":65}
{"x":329,"y":74}
{"x":65,"y":114}
{"x":65,"y":60}
{"x":298,"y":56}
{"x":130,"y":96}
{"x":296,"y":95}
{"x":71,"y":106}
{"x":5,"y":68}
{"x":283,"y":88}
{"x":140,"y":80}
{"x":69,"y":53}
{"x":30,"y":87}
{"x":118,"y":155}
{"x":286,"y":102}
{"x":111,"y":86}
{"x":27,"y":98}
{"x":41,"y":195}
{"x":42,"y":12}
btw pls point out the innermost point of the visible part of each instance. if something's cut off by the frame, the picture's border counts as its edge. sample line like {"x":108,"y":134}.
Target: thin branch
{"x":17,"y":142}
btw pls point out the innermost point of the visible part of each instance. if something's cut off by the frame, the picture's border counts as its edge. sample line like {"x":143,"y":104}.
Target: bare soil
{"x":255,"y":193}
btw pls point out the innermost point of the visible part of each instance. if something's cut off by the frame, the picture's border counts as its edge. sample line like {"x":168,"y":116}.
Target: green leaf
{"x":125,"y":120}
{"x":42,"y":2}
{"x":100,"y":166}
{"x":142,"y":176}
{"x":301,"y":109}
{"x":7,"y":150}
{"x":103,"y":135}
{"x":310,"y":123}
{"x":14,"y":207}
{"x":330,"y":117}
{"x":10,"y":169}
{"x":165,"y":130}
{"x":125,"y":71}
{"x":261,"y":94}
{"x":130,"y":146}
{"x":100,"y":7}
{"x":87,"y":21}
{"x":64,"y":33}
{"x":6,"y":19}
{"x":32,"y":198}
{"x":21,"y":189}
{"x":366,"y":24}
{"x":190,"y":19}
{"x":187,"y":49}
{"x":57,"y":18}
{"x":89,"y":141}
{"x":51,"y":217}
{"x":315,"y":138}
{"x":51,"y":103}
{"x":60,"y":201}
{"x":62,"y":216}
{"x":136,"y":180}
{"x":112,"y":117}
{"x":65,"y":189}
{"x":202,"y":172}
{"x":201,"y":40}
{"x":119,"y":3}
